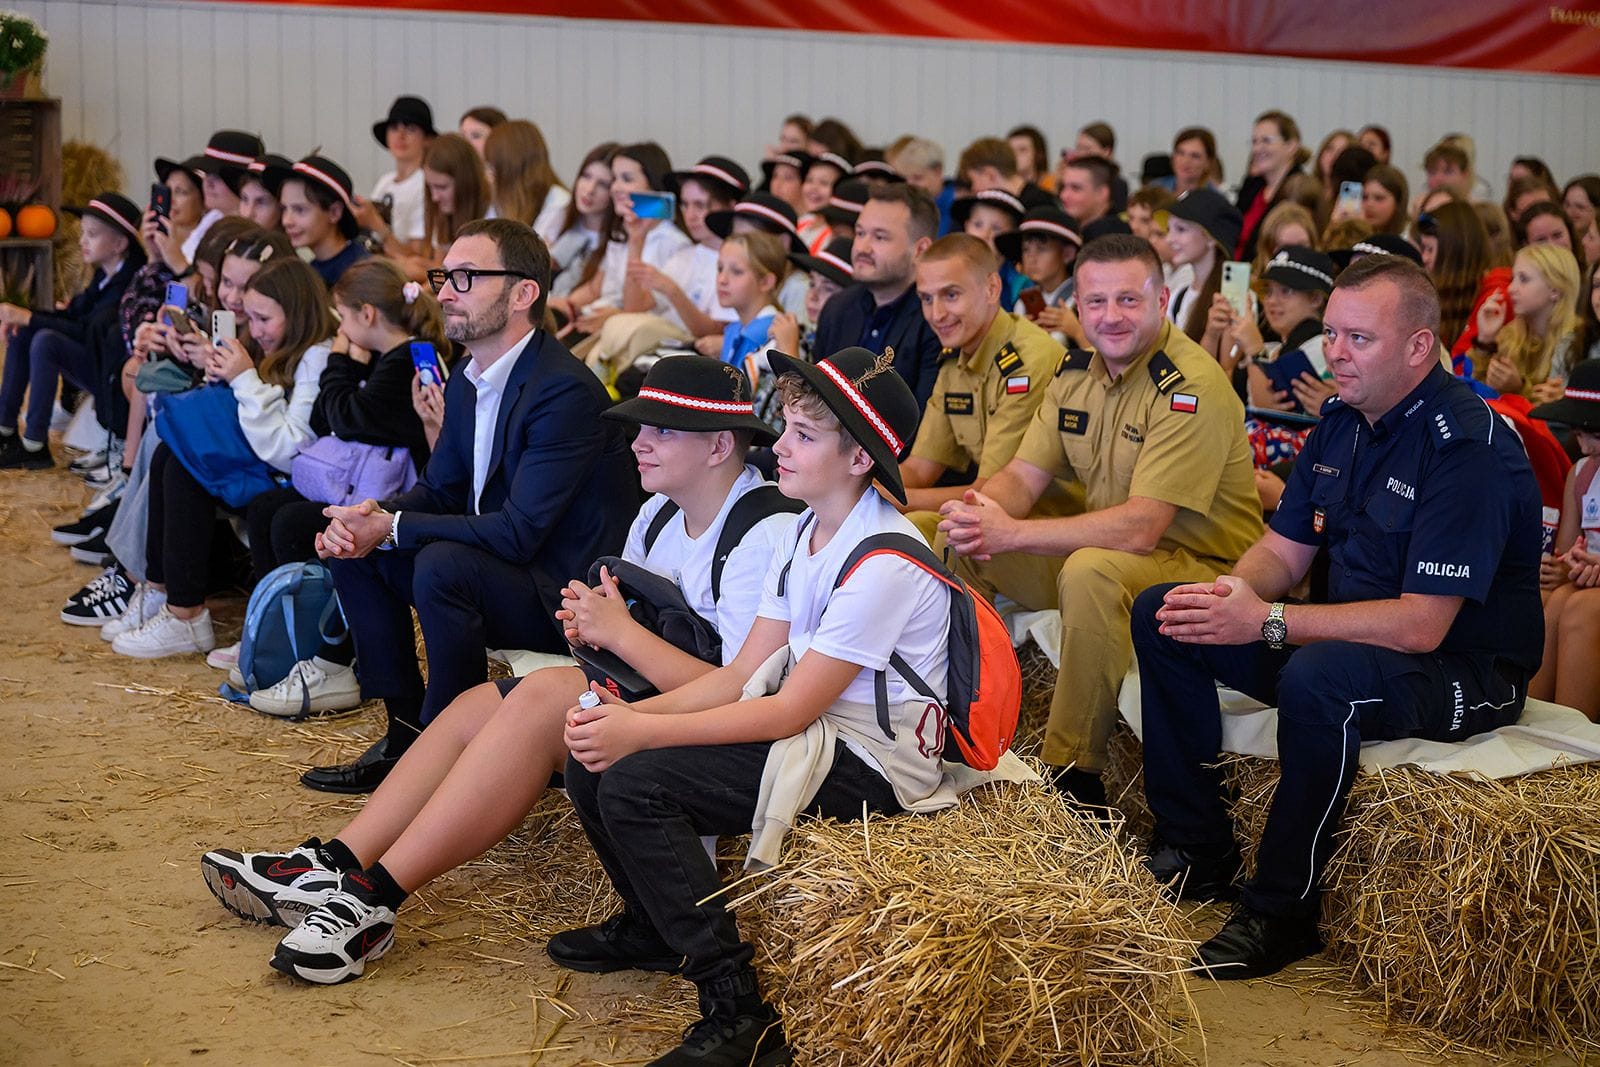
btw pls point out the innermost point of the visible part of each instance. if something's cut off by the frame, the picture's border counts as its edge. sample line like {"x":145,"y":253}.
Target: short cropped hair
{"x":521,"y":250}
{"x":1419,"y":301}
{"x":924,"y":212}
{"x":973,"y":252}
{"x":911,"y":153}
{"x":987,"y":152}
{"x":1122,"y":248}
{"x":1101,"y":171}
{"x":1447,"y":152}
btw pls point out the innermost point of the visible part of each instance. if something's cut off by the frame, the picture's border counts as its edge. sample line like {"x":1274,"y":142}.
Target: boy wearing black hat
{"x":647,"y":782}
{"x":992,"y":375}
{"x":223,"y":166}
{"x":319,"y":214}
{"x":694,"y":429}
{"x":1044,"y":246}
{"x":45,"y":344}
{"x":405,"y":134}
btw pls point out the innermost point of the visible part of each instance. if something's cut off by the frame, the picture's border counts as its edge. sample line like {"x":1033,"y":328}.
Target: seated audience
{"x":1032,"y":157}
{"x":319,"y":215}
{"x":1580,"y":199}
{"x":580,"y":242}
{"x":1046,"y":244}
{"x":477,"y":123}
{"x":1087,"y":189}
{"x":1375,"y":139}
{"x":821,"y":175}
{"x":1194,"y":159}
{"x":1527,"y":341}
{"x":1384,"y":197}
{"x":259,"y":190}
{"x":525,"y":185}
{"x":395,"y":210}
{"x":1276,"y":155}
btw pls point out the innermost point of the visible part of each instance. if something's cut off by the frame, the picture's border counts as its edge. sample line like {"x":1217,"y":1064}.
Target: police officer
{"x":1152,"y":429}
{"x":1431,"y":517}
{"x":993,"y":371}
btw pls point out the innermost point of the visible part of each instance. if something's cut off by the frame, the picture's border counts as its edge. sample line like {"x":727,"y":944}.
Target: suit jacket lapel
{"x":527,"y":360}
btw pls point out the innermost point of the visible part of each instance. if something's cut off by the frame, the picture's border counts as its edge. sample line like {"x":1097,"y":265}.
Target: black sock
{"x":337,"y":855}
{"x":375,"y":885}
{"x":1081,"y":786}
{"x":405,"y":722}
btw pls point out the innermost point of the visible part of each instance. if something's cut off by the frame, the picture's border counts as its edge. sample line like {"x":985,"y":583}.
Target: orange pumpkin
{"x":36,"y":222}
{"x":5,"y":224}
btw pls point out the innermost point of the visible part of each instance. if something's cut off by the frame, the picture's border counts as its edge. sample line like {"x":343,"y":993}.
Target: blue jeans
{"x":36,"y":361}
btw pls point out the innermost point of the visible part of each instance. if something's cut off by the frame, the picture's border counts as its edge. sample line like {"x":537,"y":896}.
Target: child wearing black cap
{"x":1296,"y":285}
{"x":405,"y":134}
{"x":45,"y":344}
{"x":319,"y":214}
{"x":648,"y":781}
{"x":822,"y":174}
{"x":1045,"y":246}
{"x":1569,"y":572}
{"x":463,"y":787}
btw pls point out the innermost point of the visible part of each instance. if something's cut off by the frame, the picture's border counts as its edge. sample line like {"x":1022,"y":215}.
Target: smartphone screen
{"x":1350,"y":197}
{"x":426,"y":360}
{"x":653,"y":205}
{"x":1236,"y":286}
{"x":223,"y":327}
{"x":1032,"y":300}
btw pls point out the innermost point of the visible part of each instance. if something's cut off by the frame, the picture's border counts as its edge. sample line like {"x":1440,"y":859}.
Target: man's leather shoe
{"x":1252,"y":944}
{"x":1189,"y":874}
{"x":621,"y":943}
{"x":363,"y":776}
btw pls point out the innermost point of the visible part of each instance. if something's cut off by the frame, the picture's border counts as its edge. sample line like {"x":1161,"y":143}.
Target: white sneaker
{"x":108,"y":494}
{"x":337,"y":939}
{"x":167,"y":635}
{"x":142,"y":607}
{"x":312,"y":685}
{"x":225,"y":658}
{"x":271,"y":887}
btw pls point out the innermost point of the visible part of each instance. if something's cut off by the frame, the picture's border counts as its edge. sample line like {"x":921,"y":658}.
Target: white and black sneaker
{"x":92,"y":524}
{"x":101,"y":601}
{"x":271,"y":887}
{"x":143,"y":603}
{"x":88,"y":462}
{"x":338,"y":939}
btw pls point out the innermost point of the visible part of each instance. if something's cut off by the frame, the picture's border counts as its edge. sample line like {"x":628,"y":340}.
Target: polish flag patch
{"x":1017,"y":385}
{"x":1185,"y":402}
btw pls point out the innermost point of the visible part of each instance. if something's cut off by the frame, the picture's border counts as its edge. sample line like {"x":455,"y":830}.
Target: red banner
{"x":1520,"y":35}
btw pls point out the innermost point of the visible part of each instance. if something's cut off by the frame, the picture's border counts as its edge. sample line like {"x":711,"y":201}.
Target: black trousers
{"x":181,"y":531}
{"x":1330,"y":696}
{"x":466,"y":600}
{"x":645,"y":817}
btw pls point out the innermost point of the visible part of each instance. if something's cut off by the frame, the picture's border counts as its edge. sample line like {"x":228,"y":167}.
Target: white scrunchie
{"x":411,"y":290}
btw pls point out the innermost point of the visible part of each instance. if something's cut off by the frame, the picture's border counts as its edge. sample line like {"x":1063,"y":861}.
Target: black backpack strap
{"x":748,"y":512}
{"x":659,"y":523}
{"x":799,"y":535}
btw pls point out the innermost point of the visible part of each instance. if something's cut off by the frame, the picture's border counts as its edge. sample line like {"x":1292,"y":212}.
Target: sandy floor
{"x":120,"y":773}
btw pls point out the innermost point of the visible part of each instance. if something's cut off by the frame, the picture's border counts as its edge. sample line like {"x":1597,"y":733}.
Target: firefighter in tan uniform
{"x":1151,"y":427}
{"x":993,"y":373}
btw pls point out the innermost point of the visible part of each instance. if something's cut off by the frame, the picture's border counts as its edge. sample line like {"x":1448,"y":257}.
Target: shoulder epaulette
{"x":948,"y":353}
{"x":1330,"y":405}
{"x":1164,"y":373}
{"x":1444,"y":426}
{"x":1008,"y":360}
{"x":1074,"y":359}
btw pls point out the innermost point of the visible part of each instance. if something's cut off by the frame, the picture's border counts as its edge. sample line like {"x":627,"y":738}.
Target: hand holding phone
{"x":1349,"y":204}
{"x":1032,"y":301}
{"x":1236,"y":286}
{"x":178,"y":319}
{"x":224,"y":327}
{"x":177,"y":297}
{"x":426,"y":360}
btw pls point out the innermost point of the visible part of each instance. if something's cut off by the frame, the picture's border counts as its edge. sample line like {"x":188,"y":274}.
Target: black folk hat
{"x":229,"y":154}
{"x":194,"y":167}
{"x":766,"y":211}
{"x":118,"y":212}
{"x":833,"y":262}
{"x":1381,"y":244}
{"x":1302,"y":268}
{"x":1579,"y":405}
{"x":961,"y":209}
{"x":1212,"y":212}
{"x":798,"y":160}
{"x":832,"y":159}
{"x":719,"y":171}
{"x":878,"y":170}
{"x":871,"y":401}
{"x":320,"y":170}
{"x":1046,"y":220}
{"x":844,"y":206}
{"x":270,"y":170}
{"x":405,"y":111}
{"x":696,"y":394}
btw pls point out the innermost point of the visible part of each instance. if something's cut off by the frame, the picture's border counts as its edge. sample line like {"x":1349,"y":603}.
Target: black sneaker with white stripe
{"x":337,"y":940}
{"x":101,"y":600}
{"x":93,"y":551}
{"x":91,"y":525}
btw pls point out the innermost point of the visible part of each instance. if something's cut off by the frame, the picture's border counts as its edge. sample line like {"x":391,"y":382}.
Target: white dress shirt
{"x":490,"y":386}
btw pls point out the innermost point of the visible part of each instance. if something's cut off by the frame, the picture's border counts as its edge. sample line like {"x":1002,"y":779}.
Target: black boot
{"x":1252,"y":944}
{"x":1194,"y":873}
{"x":736,"y":1030}
{"x":621,"y":943}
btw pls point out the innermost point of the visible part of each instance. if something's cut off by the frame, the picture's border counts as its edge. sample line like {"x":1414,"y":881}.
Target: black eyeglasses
{"x":461,"y":277}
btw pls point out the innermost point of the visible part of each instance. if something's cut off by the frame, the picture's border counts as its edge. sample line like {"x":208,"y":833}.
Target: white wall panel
{"x":154,"y":77}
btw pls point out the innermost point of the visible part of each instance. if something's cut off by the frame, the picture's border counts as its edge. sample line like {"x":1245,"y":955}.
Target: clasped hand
{"x":976,"y":526}
{"x":353,"y":531}
{"x":594,"y":616}
{"x":1224,"y":612}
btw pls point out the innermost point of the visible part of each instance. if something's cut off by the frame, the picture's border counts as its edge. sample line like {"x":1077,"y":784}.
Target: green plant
{"x":22,"y":43}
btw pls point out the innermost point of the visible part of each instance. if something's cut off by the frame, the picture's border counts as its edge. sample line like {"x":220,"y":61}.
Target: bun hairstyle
{"x":380,"y":282}
{"x":308,"y":318}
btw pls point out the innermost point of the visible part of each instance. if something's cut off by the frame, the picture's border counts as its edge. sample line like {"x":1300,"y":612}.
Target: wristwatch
{"x":1274,"y":631}
{"x":391,"y":539}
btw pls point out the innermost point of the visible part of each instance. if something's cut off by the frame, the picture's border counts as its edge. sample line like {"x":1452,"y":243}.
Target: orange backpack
{"x":984,"y":679}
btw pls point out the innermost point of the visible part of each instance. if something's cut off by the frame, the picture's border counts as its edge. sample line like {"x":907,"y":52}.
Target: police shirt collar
{"x":1414,"y":401}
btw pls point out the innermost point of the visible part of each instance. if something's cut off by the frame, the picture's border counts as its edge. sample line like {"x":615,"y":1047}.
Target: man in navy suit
{"x":527,"y":486}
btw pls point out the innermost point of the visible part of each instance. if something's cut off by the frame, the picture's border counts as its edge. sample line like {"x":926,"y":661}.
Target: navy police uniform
{"x":1436,"y":498}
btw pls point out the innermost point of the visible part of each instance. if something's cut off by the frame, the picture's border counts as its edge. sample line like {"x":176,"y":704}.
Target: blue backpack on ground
{"x":288,"y":618}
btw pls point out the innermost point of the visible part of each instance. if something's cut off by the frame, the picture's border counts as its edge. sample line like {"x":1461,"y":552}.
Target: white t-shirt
{"x":552,"y":213}
{"x":695,"y":270}
{"x":191,"y":243}
{"x":406,"y":197}
{"x":660,"y":245}
{"x":887,"y":606}
{"x":687,"y":561}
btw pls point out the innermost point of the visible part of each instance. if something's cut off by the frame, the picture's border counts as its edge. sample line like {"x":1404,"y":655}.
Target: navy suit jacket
{"x":561,"y":489}
{"x":916,"y":347}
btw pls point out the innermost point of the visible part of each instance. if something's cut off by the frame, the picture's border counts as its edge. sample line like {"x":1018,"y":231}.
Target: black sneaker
{"x":101,"y":600}
{"x":747,"y":1039}
{"x":91,"y":525}
{"x":621,"y":943}
{"x":1195,"y":874}
{"x":1252,"y":944}
{"x":16,"y":456}
{"x":94,"y":550}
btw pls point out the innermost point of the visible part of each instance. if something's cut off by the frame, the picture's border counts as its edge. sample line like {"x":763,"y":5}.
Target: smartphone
{"x":177,"y":295}
{"x":1349,"y":200}
{"x":1032,"y":301}
{"x":223,"y":327}
{"x":161,"y":199}
{"x":653,"y":205}
{"x":426,"y":360}
{"x":178,"y":318}
{"x":1236,"y":286}
{"x":1286,"y":369}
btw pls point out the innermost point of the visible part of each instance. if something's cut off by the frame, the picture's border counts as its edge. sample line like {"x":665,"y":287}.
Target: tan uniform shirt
{"x":1169,"y":427}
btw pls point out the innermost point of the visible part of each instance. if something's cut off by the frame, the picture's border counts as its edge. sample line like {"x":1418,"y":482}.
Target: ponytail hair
{"x":402,"y":302}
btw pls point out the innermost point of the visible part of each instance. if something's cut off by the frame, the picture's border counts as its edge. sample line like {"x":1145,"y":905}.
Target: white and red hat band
{"x":1581,"y":394}
{"x":106,"y":209}
{"x":695,"y":403}
{"x":230,"y":157}
{"x":869,"y":412}
{"x":834,"y":261}
{"x":748,"y":208}
{"x":1052,"y":228}
{"x":718,"y":173}
{"x":325,"y":179}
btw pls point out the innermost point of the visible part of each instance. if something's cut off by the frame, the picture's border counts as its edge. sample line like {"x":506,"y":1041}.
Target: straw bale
{"x":1007,"y":930}
{"x":1468,"y":907}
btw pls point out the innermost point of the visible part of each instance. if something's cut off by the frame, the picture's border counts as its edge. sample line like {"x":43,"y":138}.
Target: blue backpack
{"x":286,"y":621}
